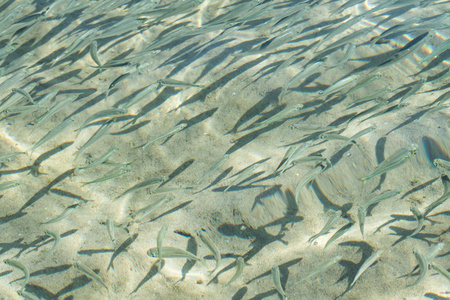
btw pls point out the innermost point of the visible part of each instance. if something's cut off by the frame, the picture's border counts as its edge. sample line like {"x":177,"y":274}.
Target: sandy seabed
{"x":255,"y":219}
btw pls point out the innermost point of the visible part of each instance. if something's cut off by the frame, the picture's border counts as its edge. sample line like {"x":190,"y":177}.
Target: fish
{"x":159,"y":191}
{"x":320,"y":268}
{"x":423,"y":268}
{"x":178,"y":84}
{"x":348,"y":53}
{"x":164,"y":135}
{"x":145,"y":211}
{"x":420,"y":220}
{"x":24,"y":93}
{"x":119,"y":171}
{"x":408,"y":49}
{"x":214,"y":167}
{"x":67,"y":211}
{"x":56,"y":108}
{"x":79,"y":42}
{"x":115,"y":82}
{"x":100,"y":160}
{"x":338,"y":30}
{"x":339,"y":85}
{"x":318,"y":159}
{"x":243,"y":174}
{"x":48,"y":97}
{"x":271,"y":43}
{"x":441,"y":199}
{"x":303,"y":74}
{"x":18,"y":265}
{"x":107,"y":113}
{"x":295,"y":154}
{"x":383,"y":196}
{"x":284,"y":114}
{"x":369,"y":261}
{"x":346,"y":40}
{"x":362,"y":211}
{"x":347,"y":4}
{"x":144,"y":184}
{"x":27,"y":295}
{"x":111,"y":232}
{"x":433,"y":110}
{"x":328,"y":225}
{"x":356,"y":136}
{"x":438,"y":50}
{"x":440,"y":270}
{"x":9,"y":156}
{"x":52,"y":133}
{"x":171,"y":252}
{"x":56,"y":237}
{"x":372,"y":96}
{"x":395,"y":160}
{"x":402,"y":27}
{"x":276,"y":279}
{"x":306,"y":179}
{"x":11,"y":81}
{"x":141,"y":95}
{"x":89,"y":273}
{"x":415,"y":87}
{"x":240,"y":264}
{"x":9,"y":184}
{"x":439,"y":78}
{"x":365,"y":81}
{"x":284,"y":21}
{"x":434,"y":252}
{"x":93,"y":51}
{"x":116,"y":63}
{"x":159,"y":240}
{"x":339,"y":233}
{"x":227,"y":30}
{"x":430,"y":256}
{"x":12,"y":102}
{"x":442,"y":163}
{"x":333,"y":136}
{"x":214,"y":250}
{"x":104,"y":129}
{"x":284,"y":65}
{"x":288,"y":153}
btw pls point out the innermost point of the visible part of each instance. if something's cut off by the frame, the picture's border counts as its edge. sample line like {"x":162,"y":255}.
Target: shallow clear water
{"x":264,"y":216}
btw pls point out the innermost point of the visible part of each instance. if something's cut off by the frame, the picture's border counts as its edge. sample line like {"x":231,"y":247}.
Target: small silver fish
{"x":441,"y":270}
{"x":328,"y":225}
{"x":214,"y":250}
{"x":240,"y":264}
{"x":276,"y":279}
{"x":423,"y":268}
{"x":56,"y":237}
{"x":159,"y":242}
{"x":20,"y":266}
{"x":178,"y":84}
{"x":395,"y":160}
{"x":339,"y":233}
{"x":144,"y":184}
{"x":320,"y":268}
{"x":369,"y":261}
{"x":171,"y":252}
{"x":90,"y":273}
{"x":166,"y":134}
{"x":63,"y":215}
{"x":9,"y":184}
{"x":111,"y":230}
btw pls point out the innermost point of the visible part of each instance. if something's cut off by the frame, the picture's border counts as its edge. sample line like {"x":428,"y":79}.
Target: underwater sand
{"x":252,"y":219}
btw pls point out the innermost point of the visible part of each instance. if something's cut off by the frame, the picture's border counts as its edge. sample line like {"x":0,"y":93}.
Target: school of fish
{"x":207,"y":149}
